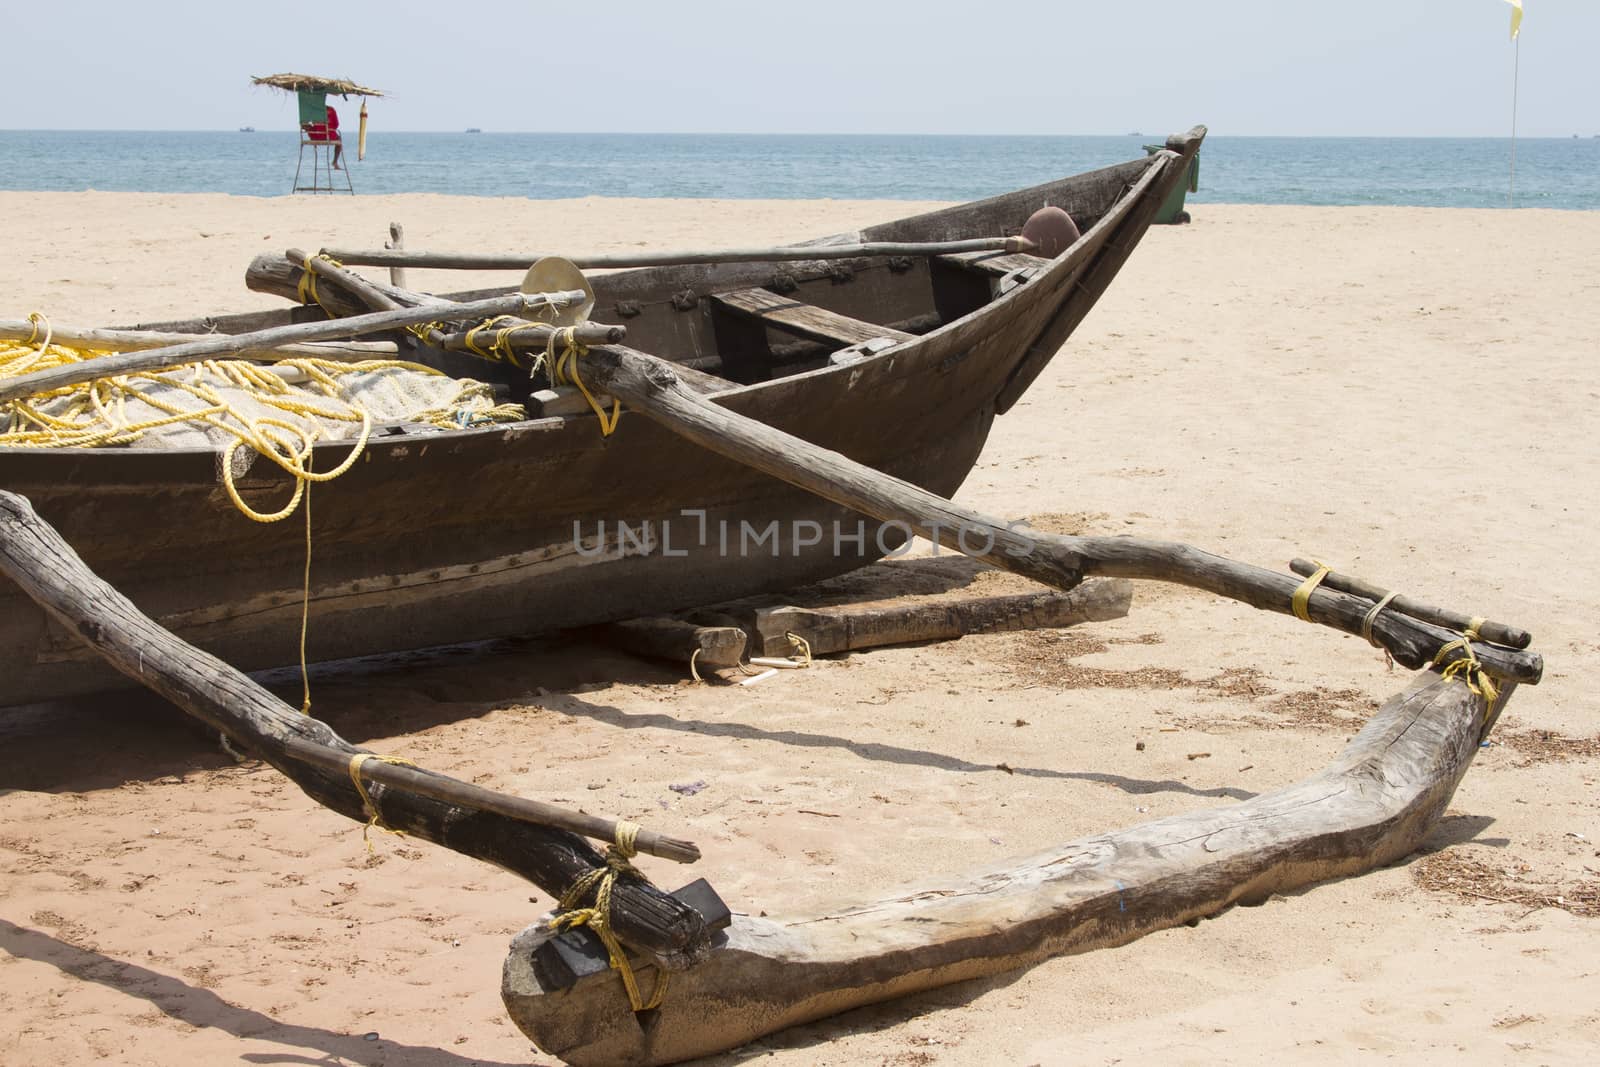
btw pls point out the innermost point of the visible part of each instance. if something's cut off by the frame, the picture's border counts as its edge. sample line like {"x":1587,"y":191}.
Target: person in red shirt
{"x":333,"y":135}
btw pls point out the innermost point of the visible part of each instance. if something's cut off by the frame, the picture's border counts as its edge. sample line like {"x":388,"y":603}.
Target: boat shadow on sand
{"x":204,"y":1009}
{"x":136,"y":736}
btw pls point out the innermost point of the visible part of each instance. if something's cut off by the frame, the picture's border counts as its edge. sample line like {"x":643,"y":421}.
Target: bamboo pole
{"x":426,"y":783}
{"x":141,"y":340}
{"x":397,"y":257}
{"x":1497,"y":632}
{"x":228,"y":344}
{"x":649,"y":385}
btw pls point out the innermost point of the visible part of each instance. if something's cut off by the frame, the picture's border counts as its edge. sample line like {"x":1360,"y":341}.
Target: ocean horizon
{"x":1551,"y":172}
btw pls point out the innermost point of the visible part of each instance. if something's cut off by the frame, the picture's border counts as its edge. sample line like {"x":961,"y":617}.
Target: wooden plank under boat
{"x":448,"y":536}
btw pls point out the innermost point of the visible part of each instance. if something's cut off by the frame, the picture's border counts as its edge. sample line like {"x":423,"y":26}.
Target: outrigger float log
{"x":627,"y":974}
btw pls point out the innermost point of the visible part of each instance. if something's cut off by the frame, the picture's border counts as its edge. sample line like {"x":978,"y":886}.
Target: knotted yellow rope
{"x":597,"y":917}
{"x":1301,"y":599}
{"x":564,"y":370}
{"x":500,"y":349}
{"x":1468,"y":666}
{"x":373,"y":818}
{"x":307,"y":289}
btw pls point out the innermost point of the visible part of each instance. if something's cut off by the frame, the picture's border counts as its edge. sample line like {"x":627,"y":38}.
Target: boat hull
{"x":464,"y":535}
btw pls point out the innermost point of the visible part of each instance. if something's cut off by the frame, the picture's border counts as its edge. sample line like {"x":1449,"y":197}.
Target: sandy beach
{"x":1406,"y":393}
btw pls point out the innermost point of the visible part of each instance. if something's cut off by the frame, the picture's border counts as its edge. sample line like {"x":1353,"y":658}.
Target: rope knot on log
{"x":597,"y":916}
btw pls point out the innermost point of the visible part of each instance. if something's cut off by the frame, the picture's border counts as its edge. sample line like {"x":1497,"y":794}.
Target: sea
{"x":1559,"y":173}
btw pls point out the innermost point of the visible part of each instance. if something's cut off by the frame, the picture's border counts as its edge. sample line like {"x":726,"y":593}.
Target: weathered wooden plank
{"x":906,"y":620}
{"x":679,"y":641}
{"x":994,"y":264}
{"x":1375,"y":803}
{"x":807,"y":320}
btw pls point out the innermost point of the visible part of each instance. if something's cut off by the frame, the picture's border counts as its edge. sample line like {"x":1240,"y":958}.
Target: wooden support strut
{"x":396,"y":242}
{"x":912,"y":619}
{"x":1497,"y":632}
{"x":44,"y":566}
{"x":649,"y":386}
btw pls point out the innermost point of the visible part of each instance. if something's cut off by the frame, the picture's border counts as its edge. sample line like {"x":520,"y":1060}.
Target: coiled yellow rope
{"x":96,"y":414}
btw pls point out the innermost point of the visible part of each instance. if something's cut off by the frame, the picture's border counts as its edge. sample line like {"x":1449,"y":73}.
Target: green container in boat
{"x":1171,"y":210}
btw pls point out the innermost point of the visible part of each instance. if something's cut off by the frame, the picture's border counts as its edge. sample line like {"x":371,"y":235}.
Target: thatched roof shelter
{"x":293,"y":83}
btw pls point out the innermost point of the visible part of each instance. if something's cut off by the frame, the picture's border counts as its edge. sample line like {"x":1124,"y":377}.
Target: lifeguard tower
{"x":319,"y":130}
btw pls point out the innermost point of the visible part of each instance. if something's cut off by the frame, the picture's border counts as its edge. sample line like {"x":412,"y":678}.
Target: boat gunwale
{"x":1132,"y":193}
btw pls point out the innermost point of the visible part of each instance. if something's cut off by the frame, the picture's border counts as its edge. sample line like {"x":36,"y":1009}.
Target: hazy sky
{"x":1243,"y":67}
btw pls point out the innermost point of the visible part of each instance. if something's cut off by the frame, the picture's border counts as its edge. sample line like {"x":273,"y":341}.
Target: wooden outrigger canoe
{"x":734,"y":977}
{"x":440,"y":537}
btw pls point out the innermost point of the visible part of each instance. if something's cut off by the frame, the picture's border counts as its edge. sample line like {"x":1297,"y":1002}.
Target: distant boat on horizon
{"x":473,"y":129}
{"x":247,"y":129}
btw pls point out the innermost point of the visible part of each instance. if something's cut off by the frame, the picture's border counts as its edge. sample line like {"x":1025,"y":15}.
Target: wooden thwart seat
{"x":996,"y":264}
{"x":806,"y":320}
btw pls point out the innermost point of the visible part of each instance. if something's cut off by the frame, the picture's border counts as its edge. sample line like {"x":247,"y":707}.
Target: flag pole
{"x":1516,"y":63}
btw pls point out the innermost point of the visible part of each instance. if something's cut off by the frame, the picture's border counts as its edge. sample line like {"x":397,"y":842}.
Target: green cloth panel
{"x":313,"y":107}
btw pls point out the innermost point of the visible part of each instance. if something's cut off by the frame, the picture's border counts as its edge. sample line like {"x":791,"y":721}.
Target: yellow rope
{"x":370,"y":809}
{"x":95,"y":414}
{"x":802,"y":646}
{"x":307,"y":289}
{"x":564,"y":370}
{"x":1468,"y":666}
{"x":597,"y":917}
{"x":500,"y":349}
{"x":1371,"y":617}
{"x":1302,"y":596}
